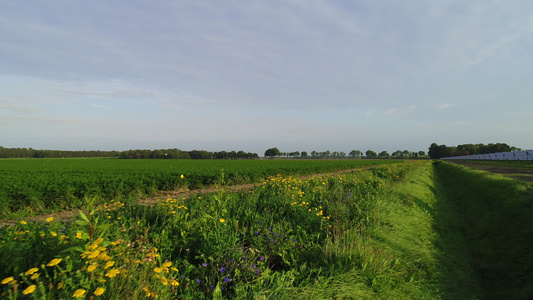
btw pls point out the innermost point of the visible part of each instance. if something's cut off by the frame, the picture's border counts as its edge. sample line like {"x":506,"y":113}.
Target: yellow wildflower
{"x":53,"y":233}
{"x":181,"y":176}
{"x":35,"y":276}
{"x":167,"y":264}
{"x":78,"y":235}
{"x":222,"y":220}
{"x":31,"y":271}
{"x":59,"y":285}
{"x":158,"y":270}
{"x":7,"y":280}
{"x":109,"y":264}
{"x":23,"y":222}
{"x":29,"y":290}
{"x":174,"y":282}
{"x":99,"y":291}
{"x":112,"y":273}
{"x":50,"y":219}
{"x":99,"y":240}
{"x":79,"y":293}
{"x":92,"y":267}
{"x":54,"y":262}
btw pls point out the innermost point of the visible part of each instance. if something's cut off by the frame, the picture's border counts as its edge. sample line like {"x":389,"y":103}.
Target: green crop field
{"x":410,"y":230}
{"x":37,"y":185}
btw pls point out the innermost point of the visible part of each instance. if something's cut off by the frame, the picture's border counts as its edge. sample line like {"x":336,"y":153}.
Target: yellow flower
{"x":35,"y":276}
{"x":92,"y":267}
{"x":78,"y":235}
{"x":158,"y":270}
{"x":53,"y":233}
{"x":29,"y":290}
{"x":174,"y":282}
{"x":79,"y":293}
{"x":59,"y":285}
{"x":99,"y":291}
{"x":99,"y":240}
{"x":23,"y":222}
{"x":31,"y":271}
{"x":112,"y":273}
{"x":7,"y":280}
{"x":167,"y":264}
{"x":222,"y":220}
{"x":54,"y":262}
{"x":109,"y":264}
{"x":50,"y":219}
{"x":181,"y":176}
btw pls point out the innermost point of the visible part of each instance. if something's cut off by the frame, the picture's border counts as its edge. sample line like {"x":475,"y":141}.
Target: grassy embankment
{"x":486,"y":228}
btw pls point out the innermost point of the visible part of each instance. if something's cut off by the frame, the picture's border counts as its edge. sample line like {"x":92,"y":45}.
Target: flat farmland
{"x":38,"y":185}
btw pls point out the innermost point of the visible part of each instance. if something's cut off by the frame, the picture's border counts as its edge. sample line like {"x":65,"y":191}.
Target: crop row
{"x":35,"y":185}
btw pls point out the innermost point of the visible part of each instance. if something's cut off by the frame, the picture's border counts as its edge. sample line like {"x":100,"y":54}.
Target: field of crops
{"x":36,"y":185}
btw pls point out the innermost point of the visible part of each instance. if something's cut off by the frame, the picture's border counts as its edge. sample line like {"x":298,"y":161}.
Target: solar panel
{"x":515,"y":155}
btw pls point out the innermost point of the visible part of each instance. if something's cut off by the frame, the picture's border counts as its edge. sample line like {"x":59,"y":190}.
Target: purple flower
{"x":222,"y":288}
{"x":230,"y":261}
{"x":197,"y":280}
{"x":211,"y":287}
{"x":204,"y":265}
{"x":260,"y":222}
{"x":256,"y":233}
{"x":222,"y":270}
{"x":262,"y":258}
{"x":244,"y":258}
{"x":226,"y":279}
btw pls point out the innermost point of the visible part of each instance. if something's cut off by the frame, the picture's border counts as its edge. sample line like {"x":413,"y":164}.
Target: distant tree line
{"x":439,"y":151}
{"x":128,"y":154}
{"x":33,"y":153}
{"x":354,"y":154}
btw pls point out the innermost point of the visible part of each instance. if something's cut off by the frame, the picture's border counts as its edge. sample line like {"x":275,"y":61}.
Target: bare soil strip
{"x":68,"y":215}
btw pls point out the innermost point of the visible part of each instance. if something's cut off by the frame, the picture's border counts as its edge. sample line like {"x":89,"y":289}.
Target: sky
{"x":302,"y":75}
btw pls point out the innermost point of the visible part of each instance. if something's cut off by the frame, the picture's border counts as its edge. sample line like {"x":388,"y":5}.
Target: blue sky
{"x":249,"y":75}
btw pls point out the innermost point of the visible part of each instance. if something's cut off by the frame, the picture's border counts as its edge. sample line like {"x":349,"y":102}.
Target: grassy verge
{"x":487,"y":233}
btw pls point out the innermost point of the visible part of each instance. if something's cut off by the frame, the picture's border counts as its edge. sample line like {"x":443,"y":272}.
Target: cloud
{"x":369,"y":113}
{"x":390,"y":111}
{"x":444,"y":105}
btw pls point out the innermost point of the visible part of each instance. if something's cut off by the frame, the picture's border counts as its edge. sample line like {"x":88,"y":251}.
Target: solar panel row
{"x":515,"y":155}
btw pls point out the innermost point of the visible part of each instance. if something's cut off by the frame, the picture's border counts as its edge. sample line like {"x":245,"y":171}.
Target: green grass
{"x":486,"y":230}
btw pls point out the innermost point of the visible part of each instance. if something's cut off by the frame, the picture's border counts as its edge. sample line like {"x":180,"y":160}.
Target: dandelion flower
{"x":29,"y":290}
{"x":158,"y":270}
{"x":23,"y":222}
{"x":222,"y":220}
{"x":167,"y":264}
{"x":79,"y":293}
{"x":7,"y":280}
{"x":35,"y":276}
{"x":54,"y":262}
{"x":31,"y":271}
{"x":99,"y":291}
{"x":181,"y":176}
{"x":50,"y":219}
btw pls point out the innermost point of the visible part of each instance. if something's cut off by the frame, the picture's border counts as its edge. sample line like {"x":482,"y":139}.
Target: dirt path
{"x":68,"y":215}
{"x":523,"y":174}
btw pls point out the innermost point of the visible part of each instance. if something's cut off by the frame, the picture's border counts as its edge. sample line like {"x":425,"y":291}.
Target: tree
{"x":383,"y":154}
{"x":304,"y":154}
{"x":272,"y":152}
{"x":370,"y":154}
